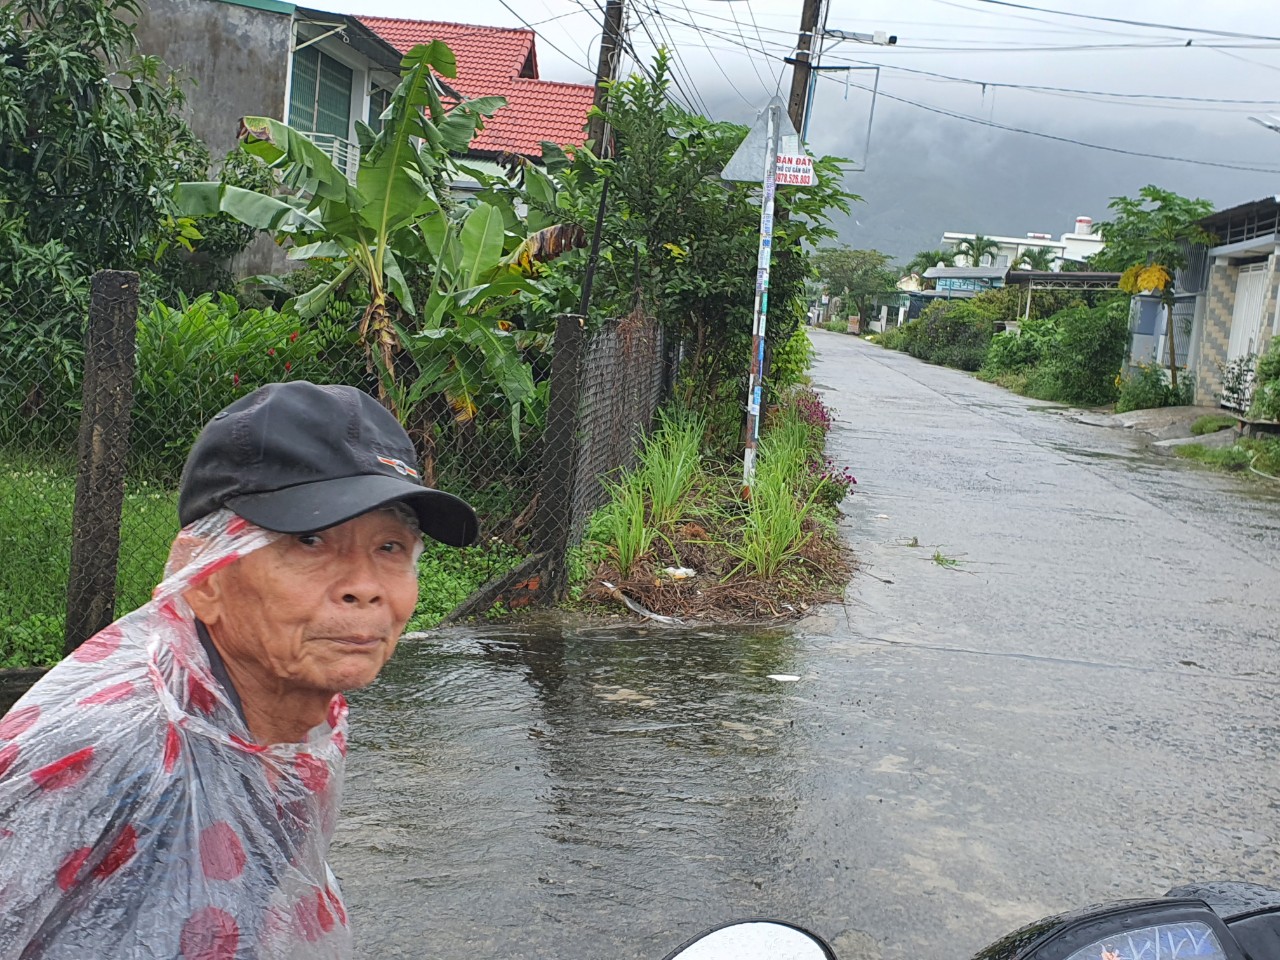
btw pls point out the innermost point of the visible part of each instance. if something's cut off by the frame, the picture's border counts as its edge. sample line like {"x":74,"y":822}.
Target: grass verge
{"x":718,"y":555}
{"x":1251,"y":457}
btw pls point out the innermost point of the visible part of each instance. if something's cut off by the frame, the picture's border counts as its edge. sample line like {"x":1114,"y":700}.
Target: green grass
{"x":36,"y":503}
{"x":1212,"y":424}
{"x":670,"y":464}
{"x":772,"y":532}
{"x":622,"y":525}
{"x":1262,"y":454}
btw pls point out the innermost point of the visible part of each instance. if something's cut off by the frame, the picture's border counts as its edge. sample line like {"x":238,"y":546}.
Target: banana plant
{"x":389,"y":219}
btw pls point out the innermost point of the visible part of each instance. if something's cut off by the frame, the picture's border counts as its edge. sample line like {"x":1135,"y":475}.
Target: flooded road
{"x":1064,"y":691}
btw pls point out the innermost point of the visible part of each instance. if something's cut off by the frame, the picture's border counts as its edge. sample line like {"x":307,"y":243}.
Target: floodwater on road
{"x":1054,"y":681}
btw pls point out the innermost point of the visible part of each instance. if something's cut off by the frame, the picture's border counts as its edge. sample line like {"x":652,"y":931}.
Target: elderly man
{"x":170,"y":789}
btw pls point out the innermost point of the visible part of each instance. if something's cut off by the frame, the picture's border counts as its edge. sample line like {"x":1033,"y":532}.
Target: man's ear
{"x":206,"y":597}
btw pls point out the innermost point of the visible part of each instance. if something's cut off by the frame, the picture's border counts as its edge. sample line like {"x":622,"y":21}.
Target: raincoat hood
{"x":138,"y":818}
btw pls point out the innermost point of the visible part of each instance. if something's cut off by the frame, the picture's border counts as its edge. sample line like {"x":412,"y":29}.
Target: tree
{"x":90,"y":136}
{"x":90,"y":143}
{"x":857,"y":276}
{"x":1148,"y":241}
{"x":927,"y":259}
{"x":1035,"y":258}
{"x":446,"y":351}
{"x":977,"y":248}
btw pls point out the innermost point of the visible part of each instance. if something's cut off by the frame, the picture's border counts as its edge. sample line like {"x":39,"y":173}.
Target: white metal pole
{"x":760,"y":315}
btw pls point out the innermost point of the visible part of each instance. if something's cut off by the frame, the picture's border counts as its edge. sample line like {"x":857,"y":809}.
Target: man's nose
{"x":360,"y":584}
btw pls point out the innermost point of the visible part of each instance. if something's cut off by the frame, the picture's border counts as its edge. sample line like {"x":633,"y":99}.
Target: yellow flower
{"x":1142,"y":277}
{"x":1153,"y":277}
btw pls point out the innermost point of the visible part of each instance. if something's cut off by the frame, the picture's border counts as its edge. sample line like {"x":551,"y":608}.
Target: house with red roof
{"x":326,"y":72}
{"x":501,"y":61}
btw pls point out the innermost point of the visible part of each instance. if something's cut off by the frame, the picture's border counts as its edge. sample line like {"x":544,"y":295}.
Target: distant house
{"x":324,"y":72}
{"x":965,"y":281}
{"x":1074,"y":246}
{"x":1232,"y":292}
{"x":498,"y":61}
{"x":321,"y":72}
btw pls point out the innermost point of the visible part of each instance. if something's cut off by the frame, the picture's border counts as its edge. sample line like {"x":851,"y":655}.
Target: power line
{"x":1040,"y":88}
{"x":1060,"y":139}
{"x":688,"y":104}
{"x":678,"y":67}
{"x":738,"y":24}
{"x":778,"y":73}
{"x":543,"y":38}
{"x":1131,"y":23}
{"x":715,"y":60}
{"x":1041,"y":134}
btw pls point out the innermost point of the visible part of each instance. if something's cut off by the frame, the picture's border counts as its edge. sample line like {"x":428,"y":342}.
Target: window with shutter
{"x":320,"y":94}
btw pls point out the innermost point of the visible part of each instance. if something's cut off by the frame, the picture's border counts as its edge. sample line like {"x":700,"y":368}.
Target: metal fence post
{"x":107,"y":397}
{"x":554,"y":521}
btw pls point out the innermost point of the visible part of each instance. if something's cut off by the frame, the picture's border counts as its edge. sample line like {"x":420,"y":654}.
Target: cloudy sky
{"x":941,"y":153}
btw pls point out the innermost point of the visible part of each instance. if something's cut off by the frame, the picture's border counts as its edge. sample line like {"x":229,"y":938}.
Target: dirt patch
{"x":715,"y":594}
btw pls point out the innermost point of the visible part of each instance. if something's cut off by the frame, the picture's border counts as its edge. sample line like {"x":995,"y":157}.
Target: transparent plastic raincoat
{"x":137,"y":816}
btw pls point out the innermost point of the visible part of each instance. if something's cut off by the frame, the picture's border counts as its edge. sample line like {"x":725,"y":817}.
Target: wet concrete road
{"x":1083,"y":707}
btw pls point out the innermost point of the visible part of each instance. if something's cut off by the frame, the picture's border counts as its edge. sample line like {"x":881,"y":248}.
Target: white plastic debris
{"x":680,"y":573}
{"x":784,"y":677}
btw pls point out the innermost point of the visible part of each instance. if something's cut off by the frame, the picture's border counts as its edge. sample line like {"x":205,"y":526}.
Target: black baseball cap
{"x":296,"y":457}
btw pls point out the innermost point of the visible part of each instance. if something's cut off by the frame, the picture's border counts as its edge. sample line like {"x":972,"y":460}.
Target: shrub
{"x":791,"y":360}
{"x":953,"y":333}
{"x":1212,"y":424}
{"x":1087,"y":351}
{"x":1266,"y":390}
{"x":1147,"y":387}
{"x":195,"y":359}
{"x":894,"y":338}
{"x":1010,"y":352}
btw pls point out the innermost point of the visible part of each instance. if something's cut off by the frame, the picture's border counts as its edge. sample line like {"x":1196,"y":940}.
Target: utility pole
{"x":606,"y":69}
{"x":802,"y":63}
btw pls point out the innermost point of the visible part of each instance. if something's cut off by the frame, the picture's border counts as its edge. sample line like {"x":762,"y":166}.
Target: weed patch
{"x":766,"y":556}
{"x":1212,"y":424}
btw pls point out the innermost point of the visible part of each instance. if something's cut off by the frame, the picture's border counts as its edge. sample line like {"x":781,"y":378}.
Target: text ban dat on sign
{"x":795,"y":170}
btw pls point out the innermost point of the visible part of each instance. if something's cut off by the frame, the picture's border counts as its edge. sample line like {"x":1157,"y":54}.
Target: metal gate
{"x":1246,"y":316}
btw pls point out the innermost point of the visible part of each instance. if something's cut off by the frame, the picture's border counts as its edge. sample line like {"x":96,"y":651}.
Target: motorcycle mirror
{"x":755,"y":940}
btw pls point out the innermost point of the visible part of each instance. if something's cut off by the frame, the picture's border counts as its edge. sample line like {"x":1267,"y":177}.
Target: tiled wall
{"x":1220,"y":300}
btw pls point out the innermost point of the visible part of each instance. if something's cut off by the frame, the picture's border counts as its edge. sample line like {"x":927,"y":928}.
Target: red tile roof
{"x":501,"y":61}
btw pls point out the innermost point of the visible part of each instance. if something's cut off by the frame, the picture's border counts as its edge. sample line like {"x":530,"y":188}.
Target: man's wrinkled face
{"x":319,"y":611}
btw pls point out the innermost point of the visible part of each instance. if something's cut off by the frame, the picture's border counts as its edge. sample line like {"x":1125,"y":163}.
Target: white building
{"x":1077,"y":245}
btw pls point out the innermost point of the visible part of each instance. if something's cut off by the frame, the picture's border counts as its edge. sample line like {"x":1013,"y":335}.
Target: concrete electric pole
{"x":606,"y":69}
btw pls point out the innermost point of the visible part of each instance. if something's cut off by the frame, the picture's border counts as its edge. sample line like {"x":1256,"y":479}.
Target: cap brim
{"x":309,"y":507}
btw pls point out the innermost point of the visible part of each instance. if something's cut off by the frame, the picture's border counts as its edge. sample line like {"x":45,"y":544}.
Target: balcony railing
{"x":344,"y":154}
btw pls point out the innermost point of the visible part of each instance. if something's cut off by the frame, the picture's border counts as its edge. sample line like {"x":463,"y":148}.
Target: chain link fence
{"x":96,"y":421}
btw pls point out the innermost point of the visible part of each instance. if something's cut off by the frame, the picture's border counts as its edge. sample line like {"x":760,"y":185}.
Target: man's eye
{"x":393,"y":546}
{"x":309,"y":539}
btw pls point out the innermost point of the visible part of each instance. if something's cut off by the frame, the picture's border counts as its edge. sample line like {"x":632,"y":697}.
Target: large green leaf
{"x":392,"y":179}
{"x":304,"y":165}
{"x":257,"y":210}
{"x":482,"y":235}
{"x":459,"y":127}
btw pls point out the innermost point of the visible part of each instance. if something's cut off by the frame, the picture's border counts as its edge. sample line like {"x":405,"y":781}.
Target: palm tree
{"x":1036,"y":258}
{"x":925,"y":259}
{"x":976,"y":248}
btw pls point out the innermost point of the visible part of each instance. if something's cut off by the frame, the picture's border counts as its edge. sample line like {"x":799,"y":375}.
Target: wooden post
{"x":802,"y":67}
{"x":606,"y":70}
{"x":107,"y":400}
{"x":553,"y":525}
